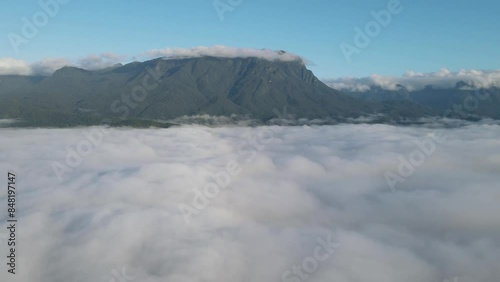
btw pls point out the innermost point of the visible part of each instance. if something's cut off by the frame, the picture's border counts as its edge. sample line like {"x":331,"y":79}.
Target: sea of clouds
{"x":117,"y":216}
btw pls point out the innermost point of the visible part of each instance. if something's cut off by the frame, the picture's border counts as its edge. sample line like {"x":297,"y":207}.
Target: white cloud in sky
{"x":47,"y":66}
{"x":443,"y":78}
{"x":104,"y":60}
{"x":223,"y":52}
{"x":13,"y":66}
{"x":120,"y":207}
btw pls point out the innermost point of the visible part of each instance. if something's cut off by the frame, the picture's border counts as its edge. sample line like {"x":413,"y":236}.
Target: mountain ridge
{"x":165,"y":89}
{"x":463,"y":101}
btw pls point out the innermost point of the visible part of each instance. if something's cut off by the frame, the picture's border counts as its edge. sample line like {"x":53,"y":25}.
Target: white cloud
{"x":104,"y":60}
{"x":47,"y":66}
{"x":223,"y":52}
{"x":120,"y":207}
{"x":443,"y":78}
{"x":12,"y":66}
{"x":7,"y":121}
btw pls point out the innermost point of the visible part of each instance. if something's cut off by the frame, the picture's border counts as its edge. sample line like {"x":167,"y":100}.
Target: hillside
{"x":463,"y":101}
{"x":165,"y":89}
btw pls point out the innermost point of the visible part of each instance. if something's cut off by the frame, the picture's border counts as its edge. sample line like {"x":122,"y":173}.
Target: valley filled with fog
{"x":345,"y":203}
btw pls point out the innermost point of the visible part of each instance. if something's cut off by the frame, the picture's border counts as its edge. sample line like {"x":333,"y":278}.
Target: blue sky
{"x":426,"y":36}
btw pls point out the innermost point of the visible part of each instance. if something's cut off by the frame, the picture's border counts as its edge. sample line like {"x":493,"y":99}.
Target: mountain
{"x":141,"y":93}
{"x":464,"y":101}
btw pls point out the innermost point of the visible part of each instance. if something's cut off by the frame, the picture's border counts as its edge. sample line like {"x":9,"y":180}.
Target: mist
{"x":228,"y":204}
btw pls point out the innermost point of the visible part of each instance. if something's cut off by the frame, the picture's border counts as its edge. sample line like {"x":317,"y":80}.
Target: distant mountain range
{"x":464,"y":101}
{"x":152,"y":92}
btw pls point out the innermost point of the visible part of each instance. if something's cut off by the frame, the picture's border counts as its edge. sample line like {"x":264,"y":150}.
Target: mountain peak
{"x":69,"y":70}
{"x":218,"y":86}
{"x":462,"y":84}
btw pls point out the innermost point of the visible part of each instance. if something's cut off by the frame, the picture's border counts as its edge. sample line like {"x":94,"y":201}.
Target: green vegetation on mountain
{"x":141,"y":93}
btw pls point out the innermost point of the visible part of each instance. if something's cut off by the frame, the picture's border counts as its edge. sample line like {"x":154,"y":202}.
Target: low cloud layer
{"x":120,"y":207}
{"x":46,"y":67}
{"x":102,"y":61}
{"x":12,"y":66}
{"x":443,"y":78}
{"x":223,"y":52}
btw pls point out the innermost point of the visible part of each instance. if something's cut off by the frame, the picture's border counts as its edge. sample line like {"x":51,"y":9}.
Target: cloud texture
{"x":102,"y":61}
{"x":443,"y":78}
{"x":119,"y":208}
{"x":223,"y":52}
{"x":47,"y":66}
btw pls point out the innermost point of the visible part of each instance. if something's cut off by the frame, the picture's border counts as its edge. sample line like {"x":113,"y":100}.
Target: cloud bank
{"x":443,"y":78}
{"x":102,"y":61}
{"x":224,"y":52}
{"x":119,"y":208}
{"x":46,"y":67}
{"x":10,"y":66}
